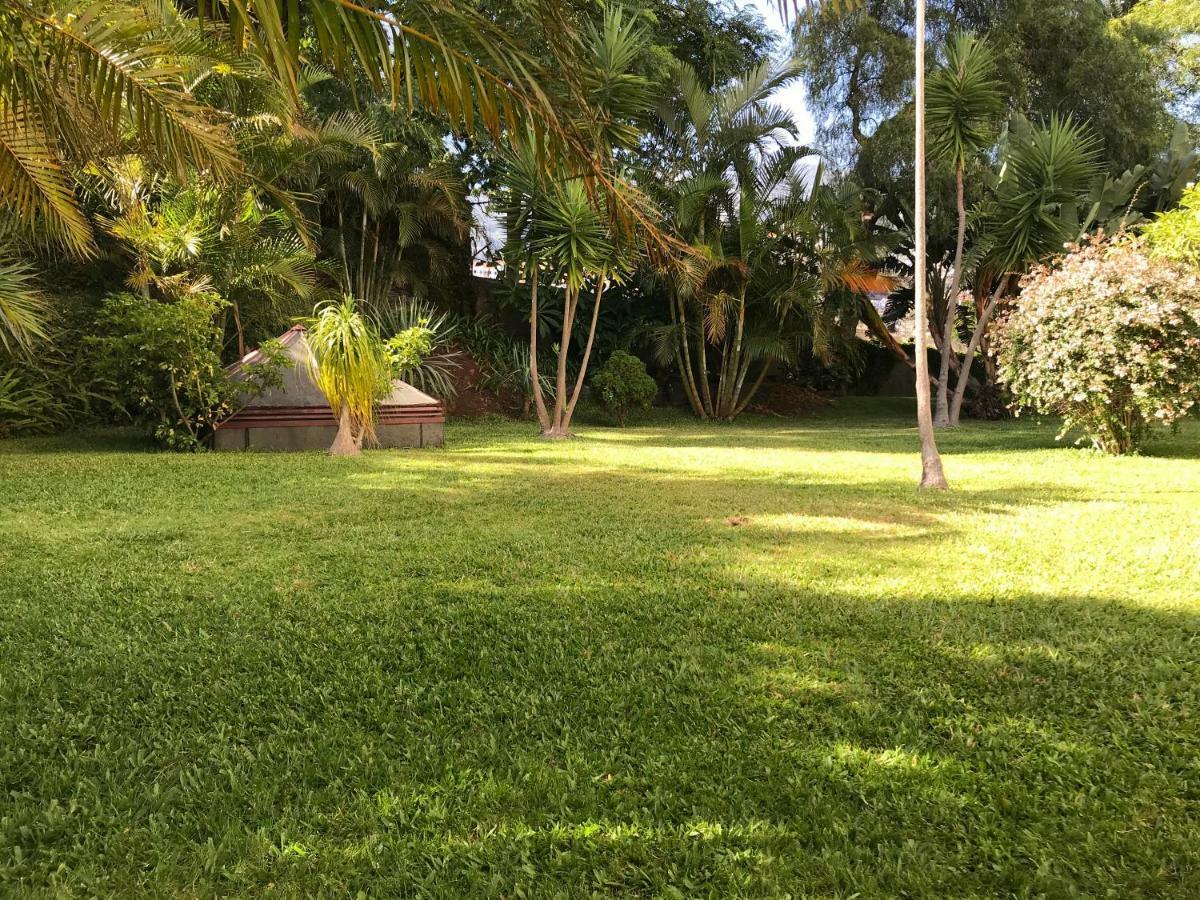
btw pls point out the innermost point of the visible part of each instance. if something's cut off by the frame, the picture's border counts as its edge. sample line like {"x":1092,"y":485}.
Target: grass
{"x":672,"y":660}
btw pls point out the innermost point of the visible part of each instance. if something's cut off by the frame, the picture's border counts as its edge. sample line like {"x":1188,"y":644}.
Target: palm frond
{"x":34,"y":184}
{"x":963,"y":100}
{"x":23,"y":307}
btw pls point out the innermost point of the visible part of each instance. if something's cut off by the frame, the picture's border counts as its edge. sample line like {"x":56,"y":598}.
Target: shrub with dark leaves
{"x":623,"y":385}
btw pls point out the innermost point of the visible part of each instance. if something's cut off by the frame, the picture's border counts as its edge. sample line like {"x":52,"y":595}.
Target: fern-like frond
{"x":34,"y":184}
{"x":23,"y":307}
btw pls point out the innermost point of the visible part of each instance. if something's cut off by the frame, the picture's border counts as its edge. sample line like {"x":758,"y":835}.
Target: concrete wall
{"x":319,"y":437}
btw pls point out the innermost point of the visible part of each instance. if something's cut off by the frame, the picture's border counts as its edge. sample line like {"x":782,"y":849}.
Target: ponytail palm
{"x":350,"y":367}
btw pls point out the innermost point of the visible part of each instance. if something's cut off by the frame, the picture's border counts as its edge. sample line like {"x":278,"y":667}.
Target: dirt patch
{"x":473,"y":397}
{"x":789,"y":400}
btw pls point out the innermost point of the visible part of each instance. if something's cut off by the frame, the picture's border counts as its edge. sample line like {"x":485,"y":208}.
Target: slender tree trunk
{"x":344,"y":442}
{"x":683,"y":356}
{"x":941,"y":417}
{"x":964,"y":375}
{"x":241,"y":334}
{"x":587,"y":355}
{"x":362,"y":256}
{"x":753,"y":388}
{"x":722,"y":386}
{"x":743,"y":364}
{"x":702,"y":360}
{"x":535,"y":381}
{"x":342,"y":247}
{"x":932,"y":477}
{"x":734,"y":365}
{"x":560,"y":386}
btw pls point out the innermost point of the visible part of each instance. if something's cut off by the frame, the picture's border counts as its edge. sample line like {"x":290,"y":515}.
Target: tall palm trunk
{"x":683,"y":355}
{"x":941,"y":417}
{"x":932,"y":477}
{"x":556,"y":429}
{"x":535,"y":381}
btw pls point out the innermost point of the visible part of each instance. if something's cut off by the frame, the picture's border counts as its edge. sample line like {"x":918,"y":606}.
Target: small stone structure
{"x":297,"y":417}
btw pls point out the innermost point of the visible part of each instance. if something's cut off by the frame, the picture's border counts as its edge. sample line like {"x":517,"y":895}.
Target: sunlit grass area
{"x":668,"y":660}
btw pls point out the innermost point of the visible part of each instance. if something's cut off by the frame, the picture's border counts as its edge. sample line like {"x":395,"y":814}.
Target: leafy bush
{"x":1176,"y":234}
{"x":164,"y":358}
{"x":421,"y":348}
{"x":408,"y":349}
{"x":623,"y":385}
{"x":1108,"y":338}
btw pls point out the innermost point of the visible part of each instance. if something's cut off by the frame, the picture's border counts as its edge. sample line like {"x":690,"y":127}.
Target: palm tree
{"x":349,"y":365}
{"x":932,"y":476}
{"x":559,"y":225}
{"x":396,"y":213}
{"x":560,"y":235}
{"x":964,"y":102}
{"x":1045,"y":174}
{"x":723,"y":177}
{"x":79,"y":80}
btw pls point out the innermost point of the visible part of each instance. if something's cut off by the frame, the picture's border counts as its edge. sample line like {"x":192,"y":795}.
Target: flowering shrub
{"x":1108,"y":338}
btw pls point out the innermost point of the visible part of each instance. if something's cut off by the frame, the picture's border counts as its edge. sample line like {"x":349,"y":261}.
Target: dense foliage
{"x":164,"y":360}
{"x":623,"y":385}
{"x":1108,"y":338}
{"x":634,"y":179}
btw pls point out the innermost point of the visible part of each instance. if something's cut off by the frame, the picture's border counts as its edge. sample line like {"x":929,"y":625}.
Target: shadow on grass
{"x":486,"y":674}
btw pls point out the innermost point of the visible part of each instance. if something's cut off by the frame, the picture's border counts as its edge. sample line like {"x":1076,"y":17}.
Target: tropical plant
{"x":623,"y":385}
{"x":79,"y":80}
{"x":394,"y":212}
{"x":559,"y":228}
{"x":1031,"y":213}
{"x":420,"y":342}
{"x":350,"y":366}
{"x":206,"y":236}
{"x":28,"y":406}
{"x":720,"y":164}
{"x":164,"y":359}
{"x":23,"y":306}
{"x":783,"y":259}
{"x":964,"y":103}
{"x":1108,"y":338}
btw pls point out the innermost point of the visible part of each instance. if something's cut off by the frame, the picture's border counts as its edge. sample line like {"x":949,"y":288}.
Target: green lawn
{"x":672,"y":660}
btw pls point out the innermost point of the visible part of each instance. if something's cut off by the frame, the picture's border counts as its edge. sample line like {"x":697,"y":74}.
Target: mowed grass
{"x":671,"y":660}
